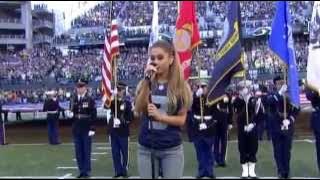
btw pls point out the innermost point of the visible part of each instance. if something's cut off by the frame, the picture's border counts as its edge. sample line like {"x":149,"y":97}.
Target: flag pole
{"x":114,"y":66}
{"x":245,"y":84}
{"x":178,"y":4}
{"x":116,"y":87}
{"x":226,"y":155}
{"x":284,"y":96}
{"x":3,"y":131}
{"x":199,"y":77}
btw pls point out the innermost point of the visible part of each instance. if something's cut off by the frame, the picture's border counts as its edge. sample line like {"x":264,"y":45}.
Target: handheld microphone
{"x":149,"y":74}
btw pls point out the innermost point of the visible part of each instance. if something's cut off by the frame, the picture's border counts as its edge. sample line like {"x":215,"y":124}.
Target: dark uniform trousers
{"x":315,"y":120}
{"x":119,"y":136}
{"x":83,"y":144}
{"x":203,"y":146}
{"x":204,"y":139}
{"x":315,"y":123}
{"x":281,"y":139}
{"x":224,"y":117}
{"x":84,"y":114}
{"x":282,"y":143}
{"x":52,"y":108}
{"x":247,"y":141}
{"x":53,"y":134}
{"x":119,"y":147}
{"x":1,"y":133}
{"x":4,"y":112}
{"x":1,"y":126}
{"x":248,"y":146}
{"x":190,"y":126}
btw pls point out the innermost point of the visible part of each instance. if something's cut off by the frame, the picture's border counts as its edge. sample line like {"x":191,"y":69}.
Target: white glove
{"x":199,"y":92}
{"x":232,"y":99}
{"x":122,"y":107}
{"x":230,"y":127}
{"x":250,"y":127}
{"x":225,"y":99}
{"x":115,"y":91}
{"x":284,"y":128}
{"x":91,"y":133}
{"x":116,"y":123}
{"x":283,"y":89}
{"x":285,"y":124}
{"x":69,"y":114}
{"x":245,"y":65}
{"x":244,"y":92}
{"x":203,"y":126}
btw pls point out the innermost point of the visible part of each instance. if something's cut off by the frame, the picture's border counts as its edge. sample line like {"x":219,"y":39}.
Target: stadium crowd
{"x":208,"y":11}
{"x":40,"y":95}
{"x":211,"y":15}
{"x":41,"y":64}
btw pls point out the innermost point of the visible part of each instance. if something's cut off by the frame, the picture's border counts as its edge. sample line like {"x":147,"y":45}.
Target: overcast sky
{"x":71,"y":9}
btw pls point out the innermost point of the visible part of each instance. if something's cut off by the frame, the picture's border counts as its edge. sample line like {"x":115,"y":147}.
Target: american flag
{"x":111,"y":50}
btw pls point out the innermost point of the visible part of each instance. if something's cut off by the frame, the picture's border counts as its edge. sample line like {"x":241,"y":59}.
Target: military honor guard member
{"x":84,"y":113}
{"x":282,"y":126}
{"x":246,"y":108}
{"x":204,"y":127}
{"x":119,"y":130}
{"x":314,"y":97}
{"x":224,"y":116}
{"x":52,"y":107}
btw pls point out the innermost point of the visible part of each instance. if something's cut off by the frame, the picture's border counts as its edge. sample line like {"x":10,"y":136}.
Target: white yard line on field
{"x":66,"y":176}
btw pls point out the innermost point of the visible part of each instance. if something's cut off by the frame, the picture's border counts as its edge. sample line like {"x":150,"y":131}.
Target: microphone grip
{"x":149,"y":74}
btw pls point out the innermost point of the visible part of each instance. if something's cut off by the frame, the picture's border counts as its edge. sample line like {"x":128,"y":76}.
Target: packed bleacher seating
{"x":41,"y":64}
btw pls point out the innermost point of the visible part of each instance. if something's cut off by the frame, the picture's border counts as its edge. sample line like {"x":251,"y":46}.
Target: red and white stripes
{"x":111,"y":50}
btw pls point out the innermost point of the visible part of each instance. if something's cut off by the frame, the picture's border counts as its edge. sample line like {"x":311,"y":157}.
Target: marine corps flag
{"x":229,"y":55}
{"x":187,"y":35}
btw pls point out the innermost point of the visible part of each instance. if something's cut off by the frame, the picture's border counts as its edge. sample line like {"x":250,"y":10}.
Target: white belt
{"x":79,"y":116}
{"x":52,"y":112}
{"x":204,"y":117}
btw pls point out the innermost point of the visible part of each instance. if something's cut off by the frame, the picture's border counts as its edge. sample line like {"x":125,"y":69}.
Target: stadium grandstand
{"x":53,"y":65}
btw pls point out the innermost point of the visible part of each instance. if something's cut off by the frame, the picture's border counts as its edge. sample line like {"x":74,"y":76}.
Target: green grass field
{"x":42,"y":160}
{"x":29,"y":156}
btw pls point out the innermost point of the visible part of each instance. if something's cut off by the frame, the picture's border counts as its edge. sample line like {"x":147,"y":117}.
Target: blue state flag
{"x":281,"y":44}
